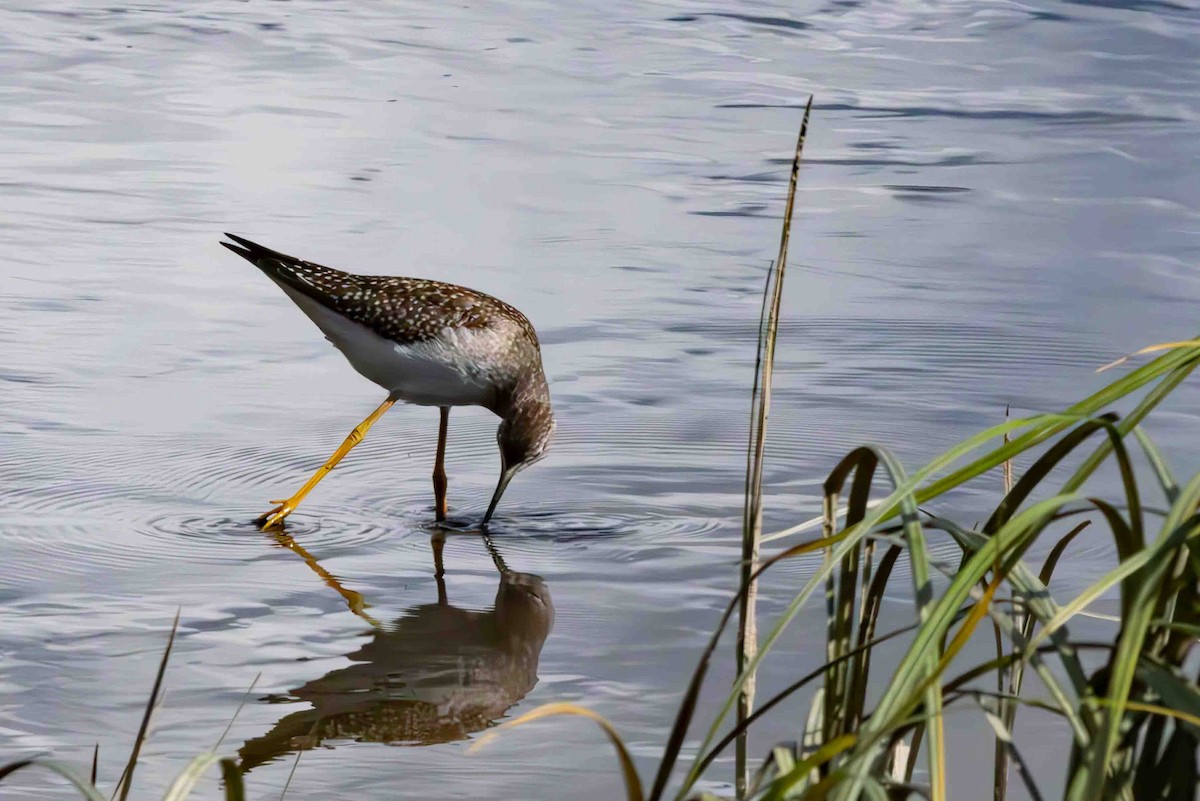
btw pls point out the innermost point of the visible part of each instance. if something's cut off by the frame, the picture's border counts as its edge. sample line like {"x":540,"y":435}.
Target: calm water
{"x":999,"y":197}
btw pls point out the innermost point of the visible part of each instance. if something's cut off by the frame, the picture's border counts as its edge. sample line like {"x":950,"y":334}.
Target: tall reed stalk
{"x":760,"y":409}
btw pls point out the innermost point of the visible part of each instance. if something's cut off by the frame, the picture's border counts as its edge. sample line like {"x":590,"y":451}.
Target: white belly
{"x":435,"y":373}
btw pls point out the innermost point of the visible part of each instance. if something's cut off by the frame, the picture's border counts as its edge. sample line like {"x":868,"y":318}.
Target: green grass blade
{"x":186,"y":781}
{"x":1175,"y":365}
{"x":918,"y":556}
{"x":1174,"y":375}
{"x":780,"y":788}
{"x":633,"y":784}
{"x":1004,"y":736}
{"x":708,"y":758}
{"x":841,"y":589}
{"x":1056,"y":552}
{"x":872,"y":603}
{"x":846,"y":541}
{"x":1175,"y":691}
{"x":1041,"y":468}
{"x":1022,"y":631}
{"x":1134,"y":629}
{"x":87,"y":789}
{"x":1120,"y":573}
{"x":1040,"y":427}
{"x":1158,"y":463}
{"x":1041,"y":605}
{"x":911,"y":676}
{"x":1172,"y":368}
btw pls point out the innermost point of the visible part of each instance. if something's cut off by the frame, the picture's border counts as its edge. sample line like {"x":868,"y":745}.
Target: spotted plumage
{"x":427,"y":343}
{"x":404,"y":310}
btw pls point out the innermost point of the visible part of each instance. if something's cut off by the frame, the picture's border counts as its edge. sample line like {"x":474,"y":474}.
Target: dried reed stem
{"x":747,"y":642}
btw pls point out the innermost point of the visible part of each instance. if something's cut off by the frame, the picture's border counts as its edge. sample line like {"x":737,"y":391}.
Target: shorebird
{"x":427,"y":343}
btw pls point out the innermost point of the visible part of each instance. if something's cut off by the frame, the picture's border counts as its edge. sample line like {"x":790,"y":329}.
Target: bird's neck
{"x":528,"y":390}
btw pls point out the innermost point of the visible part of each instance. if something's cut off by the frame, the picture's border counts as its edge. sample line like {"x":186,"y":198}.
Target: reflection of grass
{"x":1128,"y":703}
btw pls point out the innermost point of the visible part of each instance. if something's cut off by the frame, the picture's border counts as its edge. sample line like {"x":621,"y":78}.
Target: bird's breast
{"x":431,"y":374}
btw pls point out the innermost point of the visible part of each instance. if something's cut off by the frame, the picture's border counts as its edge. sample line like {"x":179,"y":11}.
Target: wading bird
{"x":427,"y":343}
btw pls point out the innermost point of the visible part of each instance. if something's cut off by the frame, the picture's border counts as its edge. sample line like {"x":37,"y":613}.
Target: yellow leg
{"x":439,"y":469}
{"x":285,"y":508}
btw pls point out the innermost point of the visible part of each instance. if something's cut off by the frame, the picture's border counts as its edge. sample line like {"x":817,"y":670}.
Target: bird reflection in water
{"x":436,"y":674}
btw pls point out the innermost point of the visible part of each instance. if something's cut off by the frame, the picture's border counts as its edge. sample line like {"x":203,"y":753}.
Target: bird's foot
{"x":275,"y":517}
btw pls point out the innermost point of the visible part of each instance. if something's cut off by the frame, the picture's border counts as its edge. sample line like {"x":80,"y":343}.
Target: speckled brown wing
{"x":404,"y":310}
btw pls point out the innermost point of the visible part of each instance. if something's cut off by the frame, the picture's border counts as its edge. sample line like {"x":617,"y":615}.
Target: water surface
{"x":998,"y":198}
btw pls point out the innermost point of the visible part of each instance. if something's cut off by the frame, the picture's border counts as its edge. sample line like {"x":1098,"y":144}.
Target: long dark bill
{"x":505,"y":477}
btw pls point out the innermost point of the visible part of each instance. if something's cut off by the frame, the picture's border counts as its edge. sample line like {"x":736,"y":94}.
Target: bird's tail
{"x":317,"y":281}
{"x":256,"y":254}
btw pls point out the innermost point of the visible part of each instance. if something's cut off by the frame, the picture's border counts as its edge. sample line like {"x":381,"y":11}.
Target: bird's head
{"x":524,"y":436}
